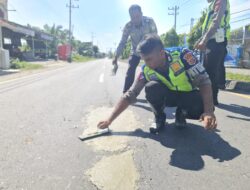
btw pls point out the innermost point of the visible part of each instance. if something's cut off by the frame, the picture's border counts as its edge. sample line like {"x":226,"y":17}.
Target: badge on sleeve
{"x":190,"y":58}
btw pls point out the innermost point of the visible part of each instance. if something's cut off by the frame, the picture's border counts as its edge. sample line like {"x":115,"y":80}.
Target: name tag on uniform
{"x":196,"y":70}
{"x":177,"y":68}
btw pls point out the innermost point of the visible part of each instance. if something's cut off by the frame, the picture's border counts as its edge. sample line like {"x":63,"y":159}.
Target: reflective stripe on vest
{"x":225,"y":21}
{"x":178,"y":81}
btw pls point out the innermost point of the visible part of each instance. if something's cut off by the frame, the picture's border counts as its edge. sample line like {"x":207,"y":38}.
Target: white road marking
{"x":29,"y":76}
{"x":240,"y":95}
{"x":101,"y":78}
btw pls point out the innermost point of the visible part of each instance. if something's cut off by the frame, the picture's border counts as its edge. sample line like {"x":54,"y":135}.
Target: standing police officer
{"x":175,"y":79}
{"x":216,"y":32}
{"x":137,"y":28}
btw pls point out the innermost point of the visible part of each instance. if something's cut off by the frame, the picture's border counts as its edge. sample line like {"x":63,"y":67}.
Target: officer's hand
{"x":114,"y":62}
{"x":196,"y":43}
{"x":103,"y":124}
{"x":115,"y":67}
{"x":209,"y":121}
{"x":201,"y":45}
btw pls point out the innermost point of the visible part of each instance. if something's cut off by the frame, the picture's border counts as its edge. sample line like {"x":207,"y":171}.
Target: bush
{"x":238,"y":77}
{"x":17,"y":64}
{"x":196,"y":31}
{"x":79,"y":58}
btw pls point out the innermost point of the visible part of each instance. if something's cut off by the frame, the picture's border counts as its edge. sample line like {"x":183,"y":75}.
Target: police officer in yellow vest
{"x":173,"y":79}
{"x":216,"y":32}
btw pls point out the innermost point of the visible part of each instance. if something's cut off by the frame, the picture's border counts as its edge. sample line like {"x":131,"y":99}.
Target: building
{"x":23,"y":42}
{"x":239,"y":45}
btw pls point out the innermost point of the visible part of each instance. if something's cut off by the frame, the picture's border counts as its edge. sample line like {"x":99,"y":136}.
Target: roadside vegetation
{"x":238,"y":77}
{"x":23,"y":65}
{"x":81,"y":59}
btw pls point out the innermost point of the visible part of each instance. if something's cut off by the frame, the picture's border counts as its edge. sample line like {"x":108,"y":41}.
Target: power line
{"x":184,"y":25}
{"x":240,"y":20}
{"x":240,"y":11}
{"x":240,"y":16}
{"x":18,"y":12}
{"x":13,"y":8}
{"x":184,"y":3}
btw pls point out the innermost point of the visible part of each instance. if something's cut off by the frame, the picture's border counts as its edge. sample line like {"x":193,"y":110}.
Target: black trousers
{"x":222,"y":71}
{"x":214,"y":64}
{"x":130,"y":75}
{"x":159,"y":96}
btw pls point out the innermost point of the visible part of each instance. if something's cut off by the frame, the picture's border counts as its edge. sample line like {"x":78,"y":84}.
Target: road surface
{"x":41,"y":116}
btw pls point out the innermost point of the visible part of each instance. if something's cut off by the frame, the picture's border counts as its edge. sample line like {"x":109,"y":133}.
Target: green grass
{"x":81,"y":59}
{"x":16,"y":64}
{"x":238,"y":77}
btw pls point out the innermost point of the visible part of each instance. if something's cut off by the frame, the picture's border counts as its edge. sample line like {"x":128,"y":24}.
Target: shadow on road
{"x":141,"y":100}
{"x":5,"y":72}
{"x":169,"y":111}
{"x":242,"y":110}
{"x":190,"y":145}
{"x":147,"y":108}
{"x":240,"y":118}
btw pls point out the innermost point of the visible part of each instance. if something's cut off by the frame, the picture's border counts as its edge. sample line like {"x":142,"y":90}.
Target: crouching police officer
{"x":173,"y":79}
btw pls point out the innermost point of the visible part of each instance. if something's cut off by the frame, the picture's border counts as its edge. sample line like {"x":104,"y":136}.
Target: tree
{"x":170,"y":39}
{"x":162,"y":36}
{"x":182,"y":39}
{"x":56,"y":32}
{"x":85,"y":49}
{"x":127,"y":50}
{"x":61,"y":36}
{"x":95,"y":50}
{"x":110,"y":54}
{"x":196,"y":31}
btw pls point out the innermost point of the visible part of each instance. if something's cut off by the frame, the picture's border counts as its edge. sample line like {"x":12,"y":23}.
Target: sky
{"x":106,"y":18}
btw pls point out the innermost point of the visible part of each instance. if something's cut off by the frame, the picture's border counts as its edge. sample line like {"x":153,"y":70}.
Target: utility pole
{"x":71,"y":6}
{"x":191,"y":24}
{"x":1,"y":38}
{"x":92,"y":38}
{"x":244,"y":35}
{"x":174,"y":13}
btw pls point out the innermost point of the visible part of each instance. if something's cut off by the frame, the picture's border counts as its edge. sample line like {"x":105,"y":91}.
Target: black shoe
{"x":159,"y":124}
{"x":216,"y":103}
{"x":180,"y":118}
{"x":222,"y":86}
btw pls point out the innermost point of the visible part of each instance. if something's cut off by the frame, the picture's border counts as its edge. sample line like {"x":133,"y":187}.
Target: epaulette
{"x":185,"y":50}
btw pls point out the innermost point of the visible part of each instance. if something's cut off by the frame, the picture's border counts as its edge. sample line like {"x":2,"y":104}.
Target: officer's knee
{"x":154,"y":90}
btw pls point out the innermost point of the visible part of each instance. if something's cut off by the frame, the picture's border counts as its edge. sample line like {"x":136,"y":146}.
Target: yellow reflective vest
{"x":225,"y":21}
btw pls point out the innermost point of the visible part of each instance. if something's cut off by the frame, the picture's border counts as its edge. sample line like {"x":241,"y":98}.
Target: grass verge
{"x":16,"y":64}
{"x":238,"y":77}
{"x":81,"y":59}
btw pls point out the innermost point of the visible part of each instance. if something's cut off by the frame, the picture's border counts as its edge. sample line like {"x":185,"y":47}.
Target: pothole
{"x":115,"y":172}
{"x":125,"y":124}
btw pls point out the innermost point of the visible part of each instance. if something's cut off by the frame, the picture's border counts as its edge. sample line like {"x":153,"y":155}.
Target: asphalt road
{"x":41,"y":116}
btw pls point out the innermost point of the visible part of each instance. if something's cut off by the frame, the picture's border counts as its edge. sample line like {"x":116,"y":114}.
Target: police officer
{"x":216,"y":31}
{"x":173,"y":79}
{"x":137,"y":28}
